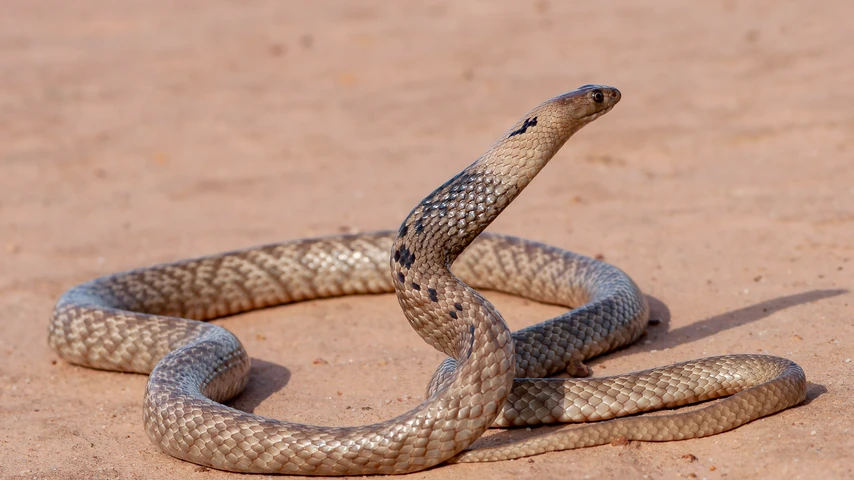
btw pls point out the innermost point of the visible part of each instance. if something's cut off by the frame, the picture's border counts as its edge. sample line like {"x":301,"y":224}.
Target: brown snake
{"x":138,"y":322}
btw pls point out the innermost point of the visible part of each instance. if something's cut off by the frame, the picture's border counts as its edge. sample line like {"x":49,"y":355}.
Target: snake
{"x":153,"y":321}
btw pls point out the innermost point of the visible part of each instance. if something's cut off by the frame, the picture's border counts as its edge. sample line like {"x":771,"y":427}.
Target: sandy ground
{"x":132,"y":135}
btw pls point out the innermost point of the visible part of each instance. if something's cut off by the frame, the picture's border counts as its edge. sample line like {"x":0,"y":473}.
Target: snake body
{"x":152,"y":320}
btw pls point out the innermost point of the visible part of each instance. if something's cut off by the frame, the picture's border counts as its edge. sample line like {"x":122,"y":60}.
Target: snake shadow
{"x":265,"y":379}
{"x":659,"y":336}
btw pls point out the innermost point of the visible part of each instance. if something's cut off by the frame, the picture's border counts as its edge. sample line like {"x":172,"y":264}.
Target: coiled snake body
{"x":138,"y":321}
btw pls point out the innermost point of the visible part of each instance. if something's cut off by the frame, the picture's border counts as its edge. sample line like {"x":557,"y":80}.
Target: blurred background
{"x":133,"y":133}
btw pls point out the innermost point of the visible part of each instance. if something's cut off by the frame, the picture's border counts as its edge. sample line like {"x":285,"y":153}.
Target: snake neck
{"x":448,"y":220}
{"x":452,"y":216}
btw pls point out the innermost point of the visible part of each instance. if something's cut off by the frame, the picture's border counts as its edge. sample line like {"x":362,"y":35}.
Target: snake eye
{"x":598,"y":96}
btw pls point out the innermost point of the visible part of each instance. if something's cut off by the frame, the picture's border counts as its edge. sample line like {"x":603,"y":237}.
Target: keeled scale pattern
{"x":151,"y":320}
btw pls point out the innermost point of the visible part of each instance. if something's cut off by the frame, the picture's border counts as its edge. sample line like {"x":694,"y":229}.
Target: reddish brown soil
{"x":133,"y":133}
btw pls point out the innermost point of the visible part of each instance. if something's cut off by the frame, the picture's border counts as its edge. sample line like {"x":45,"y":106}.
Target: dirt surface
{"x":133,"y":133}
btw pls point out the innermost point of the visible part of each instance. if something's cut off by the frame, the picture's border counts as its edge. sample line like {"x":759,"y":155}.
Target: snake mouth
{"x":596,"y":114}
{"x":593,"y":116}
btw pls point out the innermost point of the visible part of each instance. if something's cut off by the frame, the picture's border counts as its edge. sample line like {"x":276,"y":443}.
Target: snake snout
{"x":589,"y":102}
{"x":602,"y":95}
{"x":615,"y":95}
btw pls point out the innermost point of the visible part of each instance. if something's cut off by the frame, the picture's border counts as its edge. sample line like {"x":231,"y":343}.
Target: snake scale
{"x":152,"y":320}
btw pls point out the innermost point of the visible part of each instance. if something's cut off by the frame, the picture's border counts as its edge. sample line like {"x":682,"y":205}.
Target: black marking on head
{"x":416,"y":286}
{"x":433,"y":294}
{"x":401,"y":277}
{"x":419,"y":227}
{"x":403,"y":230}
{"x":397,"y":255}
{"x":530,"y":122}
{"x":453,"y":314}
{"x":458,"y":307}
